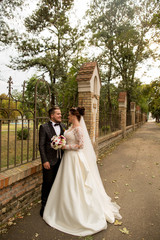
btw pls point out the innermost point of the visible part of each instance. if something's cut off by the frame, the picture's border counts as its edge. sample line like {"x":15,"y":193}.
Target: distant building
{"x":150,"y":118}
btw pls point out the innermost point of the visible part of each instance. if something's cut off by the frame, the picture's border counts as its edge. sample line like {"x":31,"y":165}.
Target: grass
{"x":19,"y":151}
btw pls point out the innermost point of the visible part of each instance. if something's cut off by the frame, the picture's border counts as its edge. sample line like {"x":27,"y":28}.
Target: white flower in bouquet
{"x":57,"y":142}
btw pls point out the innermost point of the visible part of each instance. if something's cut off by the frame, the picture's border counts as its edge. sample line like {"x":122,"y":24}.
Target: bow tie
{"x":56,"y":124}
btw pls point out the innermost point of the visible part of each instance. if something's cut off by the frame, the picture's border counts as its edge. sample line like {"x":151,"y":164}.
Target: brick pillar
{"x":138,"y":112}
{"x":133,"y":115}
{"x":143,"y":117}
{"x":89,"y":85}
{"x":122,"y":110}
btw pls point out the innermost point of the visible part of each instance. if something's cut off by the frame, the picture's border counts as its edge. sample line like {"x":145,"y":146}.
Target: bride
{"x":77,"y":203}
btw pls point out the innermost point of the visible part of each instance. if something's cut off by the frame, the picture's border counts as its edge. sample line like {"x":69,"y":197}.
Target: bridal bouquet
{"x":57,"y":142}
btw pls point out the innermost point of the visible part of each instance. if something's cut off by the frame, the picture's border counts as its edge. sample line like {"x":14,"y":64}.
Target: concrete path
{"x":131,"y":175}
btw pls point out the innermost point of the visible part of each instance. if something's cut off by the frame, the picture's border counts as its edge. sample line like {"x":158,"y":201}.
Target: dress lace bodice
{"x":74,"y":138}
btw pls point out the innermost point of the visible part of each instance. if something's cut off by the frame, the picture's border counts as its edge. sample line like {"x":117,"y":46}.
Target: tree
{"x":49,"y":43}
{"x":153,"y":92}
{"x":67,"y":91}
{"x":119,"y":29}
{"x":7,"y":9}
{"x":8,"y":107}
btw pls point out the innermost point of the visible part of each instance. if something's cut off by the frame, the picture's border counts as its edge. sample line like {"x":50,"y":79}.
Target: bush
{"x":106,"y":128}
{"x":25,"y":134}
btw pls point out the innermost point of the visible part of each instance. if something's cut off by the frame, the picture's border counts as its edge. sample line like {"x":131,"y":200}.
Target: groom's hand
{"x":46,"y":165}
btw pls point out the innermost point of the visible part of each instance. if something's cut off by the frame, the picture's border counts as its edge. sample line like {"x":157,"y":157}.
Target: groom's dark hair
{"x":52,"y":110}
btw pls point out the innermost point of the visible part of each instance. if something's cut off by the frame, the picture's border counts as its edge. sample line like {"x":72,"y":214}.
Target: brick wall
{"x":19,"y":187}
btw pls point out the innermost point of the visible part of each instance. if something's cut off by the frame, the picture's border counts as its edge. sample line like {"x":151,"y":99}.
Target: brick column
{"x":138,"y":111}
{"x":122,"y":110}
{"x":133,"y":110}
{"x":89,"y":85}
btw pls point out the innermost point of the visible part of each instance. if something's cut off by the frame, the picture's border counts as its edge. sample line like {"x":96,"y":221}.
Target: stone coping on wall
{"x":105,"y":141}
{"x":109,"y":136}
{"x":15,"y":174}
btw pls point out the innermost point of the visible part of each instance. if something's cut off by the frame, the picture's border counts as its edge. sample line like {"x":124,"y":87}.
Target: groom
{"x":50,"y":161}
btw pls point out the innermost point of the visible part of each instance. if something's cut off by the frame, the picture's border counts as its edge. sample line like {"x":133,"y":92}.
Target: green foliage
{"x":119,"y":29}
{"x":22,"y":134}
{"x":49,"y":43}
{"x":113,"y":94}
{"x":152,"y":91}
{"x":41,"y":89}
{"x":105,"y":128}
{"x":8,"y":107}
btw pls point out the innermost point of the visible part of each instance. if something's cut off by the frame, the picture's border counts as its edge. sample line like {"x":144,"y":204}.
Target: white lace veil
{"x":110,"y":209}
{"x":90,"y":154}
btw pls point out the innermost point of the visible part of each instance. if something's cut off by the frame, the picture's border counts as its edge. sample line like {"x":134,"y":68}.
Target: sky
{"x":146,"y":74}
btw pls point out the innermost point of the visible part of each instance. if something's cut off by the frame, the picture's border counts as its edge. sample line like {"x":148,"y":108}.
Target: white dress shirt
{"x":56,"y":128}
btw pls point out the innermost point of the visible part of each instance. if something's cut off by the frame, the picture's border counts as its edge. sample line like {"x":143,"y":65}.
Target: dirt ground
{"x":130,"y":171}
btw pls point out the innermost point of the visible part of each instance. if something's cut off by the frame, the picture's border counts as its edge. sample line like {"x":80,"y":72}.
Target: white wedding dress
{"x":77,"y":203}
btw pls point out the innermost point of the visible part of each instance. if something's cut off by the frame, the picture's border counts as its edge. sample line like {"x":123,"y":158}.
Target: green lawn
{"x":19,"y":151}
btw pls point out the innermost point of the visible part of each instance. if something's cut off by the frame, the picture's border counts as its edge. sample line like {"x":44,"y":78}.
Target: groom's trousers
{"x":49,"y":176}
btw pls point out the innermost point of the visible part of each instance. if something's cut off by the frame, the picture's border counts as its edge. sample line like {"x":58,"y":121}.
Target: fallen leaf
{"x":10,"y":223}
{"x":124,"y":230}
{"x":114,"y":181}
{"x":131,"y":190}
{"x":153,"y":176}
{"x":127,"y":184}
{"x":117,"y":223}
{"x":36,"y":235}
{"x":116,"y":193}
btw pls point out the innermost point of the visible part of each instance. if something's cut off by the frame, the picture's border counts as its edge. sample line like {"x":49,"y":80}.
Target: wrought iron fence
{"x":20,"y":121}
{"x":19,"y":125}
{"x":108,"y":122}
{"x":128,"y":119}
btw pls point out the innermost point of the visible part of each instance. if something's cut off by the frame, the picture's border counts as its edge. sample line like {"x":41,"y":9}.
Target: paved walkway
{"x":131,"y":175}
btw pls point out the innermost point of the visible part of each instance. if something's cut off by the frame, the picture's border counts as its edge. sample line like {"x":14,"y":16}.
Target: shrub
{"x":106,"y":128}
{"x":25,"y":134}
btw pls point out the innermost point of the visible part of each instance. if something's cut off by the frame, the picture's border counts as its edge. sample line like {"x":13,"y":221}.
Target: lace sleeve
{"x":78,"y":132}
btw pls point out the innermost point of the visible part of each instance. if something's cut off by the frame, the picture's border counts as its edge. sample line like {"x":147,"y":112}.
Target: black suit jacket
{"x":48,"y":154}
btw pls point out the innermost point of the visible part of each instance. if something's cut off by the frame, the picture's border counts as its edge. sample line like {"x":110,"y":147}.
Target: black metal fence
{"x":108,"y":122}
{"x":128,"y":119}
{"x":20,"y":120}
{"x":19,"y":125}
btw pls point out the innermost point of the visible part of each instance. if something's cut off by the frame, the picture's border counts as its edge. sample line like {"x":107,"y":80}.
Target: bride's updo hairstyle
{"x":78,"y":112}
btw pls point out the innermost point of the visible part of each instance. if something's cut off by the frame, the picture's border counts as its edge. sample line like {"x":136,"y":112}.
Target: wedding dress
{"x":77,"y":203}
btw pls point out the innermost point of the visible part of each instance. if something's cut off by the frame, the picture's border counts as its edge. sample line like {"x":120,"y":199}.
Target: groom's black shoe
{"x":41,"y":211}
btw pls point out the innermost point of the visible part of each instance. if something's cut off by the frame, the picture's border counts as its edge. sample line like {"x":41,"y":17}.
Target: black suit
{"x":48,"y":154}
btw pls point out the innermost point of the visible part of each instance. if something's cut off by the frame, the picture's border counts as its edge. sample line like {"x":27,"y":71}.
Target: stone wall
{"x":108,"y":140}
{"x":19,"y":187}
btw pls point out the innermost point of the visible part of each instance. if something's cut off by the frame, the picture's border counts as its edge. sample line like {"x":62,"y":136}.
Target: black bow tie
{"x":56,"y":124}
